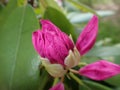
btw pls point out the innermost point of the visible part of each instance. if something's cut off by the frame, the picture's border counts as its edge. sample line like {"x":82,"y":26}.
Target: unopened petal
{"x":48,"y":26}
{"x":55,"y":44}
{"x":87,"y":37}
{"x":38,"y":42}
{"x":72,"y":59}
{"x":100,"y":70}
{"x":55,"y":70}
{"x":59,"y":86}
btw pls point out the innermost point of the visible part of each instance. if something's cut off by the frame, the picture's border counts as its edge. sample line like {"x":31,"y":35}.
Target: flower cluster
{"x":59,"y":54}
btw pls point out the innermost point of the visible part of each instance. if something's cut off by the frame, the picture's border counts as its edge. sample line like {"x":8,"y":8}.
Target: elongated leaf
{"x":95,"y":86}
{"x":60,"y":20}
{"x":78,"y":17}
{"x":81,"y":6}
{"x":114,"y":80}
{"x":19,"y":64}
{"x":104,"y":51}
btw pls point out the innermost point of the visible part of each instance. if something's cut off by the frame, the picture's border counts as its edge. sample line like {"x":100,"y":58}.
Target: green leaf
{"x":81,"y":6}
{"x":78,"y":17}
{"x":5,"y":12}
{"x":59,"y":20}
{"x":104,"y":51}
{"x":115,"y":80}
{"x":49,"y":3}
{"x":95,"y":86}
{"x":1,"y":7}
{"x":117,"y":88}
{"x":89,"y":59}
{"x":53,"y":4}
{"x":19,"y":63}
{"x":44,"y":78}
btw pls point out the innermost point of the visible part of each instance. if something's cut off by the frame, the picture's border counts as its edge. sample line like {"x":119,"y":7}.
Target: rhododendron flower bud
{"x":100,"y":70}
{"x":55,"y":46}
{"x":88,"y":36}
{"x":59,"y":49}
{"x":58,"y":86}
{"x":51,"y":43}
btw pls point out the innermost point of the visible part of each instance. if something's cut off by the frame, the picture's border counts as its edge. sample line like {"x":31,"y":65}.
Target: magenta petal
{"x":51,"y":43}
{"x":58,"y":86}
{"x":87,"y":37}
{"x":100,"y":70}
{"x":48,"y":26}
{"x":37,"y":39}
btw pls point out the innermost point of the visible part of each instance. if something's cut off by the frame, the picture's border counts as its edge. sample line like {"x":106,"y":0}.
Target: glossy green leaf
{"x":81,"y":6}
{"x":104,"y":51}
{"x":5,"y":12}
{"x":95,"y":86}
{"x":60,"y":20}
{"x":19,"y":63}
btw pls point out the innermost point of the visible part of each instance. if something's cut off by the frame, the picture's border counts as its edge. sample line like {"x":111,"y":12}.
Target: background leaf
{"x":81,"y":6}
{"x":95,"y":86}
{"x":114,"y":80}
{"x":53,"y":4}
{"x":49,"y":3}
{"x":19,"y":64}
{"x":104,"y":51}
{"x":78,"y":17}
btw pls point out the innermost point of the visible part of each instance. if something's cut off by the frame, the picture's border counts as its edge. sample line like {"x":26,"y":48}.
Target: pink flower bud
{"x":51,"y":43}
{"x":58,"y":86}
{"x":87,"y":37}
{"x":100,"y":70}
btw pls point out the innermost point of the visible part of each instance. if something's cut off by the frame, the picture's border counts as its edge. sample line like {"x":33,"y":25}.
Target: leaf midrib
{"x":17,"y":48}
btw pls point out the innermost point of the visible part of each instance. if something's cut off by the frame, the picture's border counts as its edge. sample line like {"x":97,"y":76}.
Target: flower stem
{"x":82,"y":64}
{"x":74,"y":71}
{"x":62,"y":79}
{"x":76,"y":78}
{"x":55,"y":81}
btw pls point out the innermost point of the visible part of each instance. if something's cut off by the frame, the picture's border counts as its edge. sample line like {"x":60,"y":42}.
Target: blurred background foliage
{"x":19,"y":63}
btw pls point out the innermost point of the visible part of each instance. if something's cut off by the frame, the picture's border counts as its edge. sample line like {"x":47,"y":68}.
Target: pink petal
{"x":58,"y":86}
{"x":36,"y":40}
{"x":87,"y":37}
{"x":48,"y":26}
{"x":100,"y":70}
{"x":51,"y":43}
